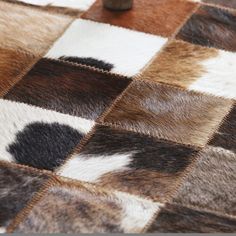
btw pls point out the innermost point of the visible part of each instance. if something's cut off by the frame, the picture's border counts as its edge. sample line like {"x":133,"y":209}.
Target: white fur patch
{"x":82,"y":5}
{"x":15,"y":116}
{"x":3,"y":230}
{"x":129,"y":51}
{"x":91,"y":168}
{"x":220,"y":76}
{"x":137,"y":212}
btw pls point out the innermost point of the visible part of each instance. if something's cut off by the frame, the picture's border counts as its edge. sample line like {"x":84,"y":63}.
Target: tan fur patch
{"x":169,"y":113}
{"x":146,"y":16}
{"x":29,"y":29}
{"x":179,"y":64}
{"x":13,"y":64}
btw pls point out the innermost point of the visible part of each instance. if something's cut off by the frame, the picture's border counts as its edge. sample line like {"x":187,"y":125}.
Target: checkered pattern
{"x":117,"y":121}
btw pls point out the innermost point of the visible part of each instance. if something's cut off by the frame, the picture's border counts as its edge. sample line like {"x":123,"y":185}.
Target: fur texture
{"x":225,"y":3}
{"x":127,"y":50}
{"x":38,"y":137}
{"x":130,"y":162}
{"x":196,"y":68}
{"x":211,"y":27}
{"x":88,"y":61}
{"x":212,"y":183}
{"x":17,"y":186}
{"x":12,"y":64}
{"x":82,"y":5}
{"x":86,"y":210}
{"x":179,"y":219}
{"x":68,"y":89}
{"x":20,"y":28}
{"x":143,"y":14}
{"x":225,"y":137}
{"x":169,"y":113}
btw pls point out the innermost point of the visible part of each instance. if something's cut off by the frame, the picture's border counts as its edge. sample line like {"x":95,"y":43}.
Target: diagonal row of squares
{"x":145,"y":142}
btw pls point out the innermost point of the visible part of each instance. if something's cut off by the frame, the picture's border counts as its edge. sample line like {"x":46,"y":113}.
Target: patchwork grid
{"x":117,"y":122}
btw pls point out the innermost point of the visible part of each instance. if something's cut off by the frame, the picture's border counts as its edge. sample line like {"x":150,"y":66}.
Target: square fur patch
{"x":212,"y":183}
{"x":37,"y":137}
{"x":13,"y":65}
{"x":196,"y":68}
{"x":168,"y":113}
{"x":130,"y":162}
{"x":29,"y":29}
{"x":126,"y":51}
{"x":85,"y":209}
{"x":68,"y":89}
{"x":180,"y":219}
{"x":146,"y":16}
{"x":211,"y":27}
{"x":17,"y":187}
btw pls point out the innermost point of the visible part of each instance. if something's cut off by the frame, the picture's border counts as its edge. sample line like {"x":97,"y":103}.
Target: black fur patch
{"x":179,"y":219}
{"x":43,"y":145}
{"x":89,"y":61}
{"x":17,"y":187}
{"x":211,"y":27}
{"x":149,"y":153}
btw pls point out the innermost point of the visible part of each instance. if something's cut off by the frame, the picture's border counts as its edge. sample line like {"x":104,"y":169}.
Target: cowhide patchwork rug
{"x":117,"y":121}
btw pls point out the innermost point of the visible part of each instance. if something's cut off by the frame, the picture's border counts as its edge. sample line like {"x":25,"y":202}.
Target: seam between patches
{"x":37,"y":58}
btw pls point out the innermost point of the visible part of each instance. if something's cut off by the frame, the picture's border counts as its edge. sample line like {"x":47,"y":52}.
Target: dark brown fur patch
{"x":29,"y":29}
{"x":13,"y":64}
{"x":152,"y":167}
{"x":224,"y":3}
{"x":179,"y":219}
{"x":17,"y":186}
{"x":211,"y":27}
{"x":179,"y":64}
{"x":212,"y":183}
{"x":158,"y":17}
{"x":68,"y":89}
{"x":225,"y":137}
{"x":169,"y":113}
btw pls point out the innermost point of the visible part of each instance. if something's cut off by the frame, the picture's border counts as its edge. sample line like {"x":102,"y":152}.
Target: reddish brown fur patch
{"x":68,"y":89}
{"x":180,"y":219}
{"x":158,"y":17}
{"x":29,"y":29}
{"x":179,"y":64}
{"x":211,"y":27}
{"x":13,"y":64}
{"x":169,"y":113}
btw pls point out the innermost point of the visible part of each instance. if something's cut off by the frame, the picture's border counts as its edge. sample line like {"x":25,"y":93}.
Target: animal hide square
{"x":13,"y":65}
{"x":194,"y":67}
{"x":39,"y":32}
{"x":129,"y":162}
{"x":17,"y":187}
{"x":143,"y":15}
{"x":68,"y":89}
{"x":85,"y":209}
{"x":37,"y":137}
{"x":211,"y":27}
{"x":181,"y":219}
{"x":212,"y":183}
{"x":125,"y":50}
{"x":168,"y":113}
